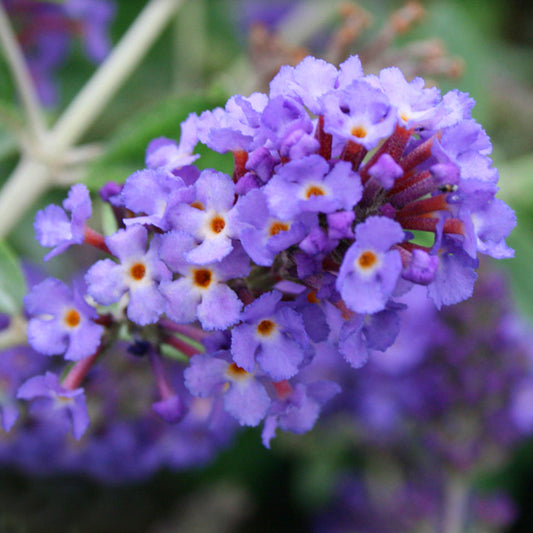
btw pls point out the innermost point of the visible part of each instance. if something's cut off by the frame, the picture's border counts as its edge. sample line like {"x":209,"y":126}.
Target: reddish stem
{"x":324,"y":139}
{"x":283,"y":389}
{"x":78,"y":372}
{"x":419,"y":154}
{"x":425,"y":206}
{"x":240,"y":158}
{"x":95,"y":239}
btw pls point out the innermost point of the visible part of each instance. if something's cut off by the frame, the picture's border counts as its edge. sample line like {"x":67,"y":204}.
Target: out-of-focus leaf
{"x":12,"y":283}
{"x":521,"y":239}
{"x":516,"y":181}
{"x":126,"y":148}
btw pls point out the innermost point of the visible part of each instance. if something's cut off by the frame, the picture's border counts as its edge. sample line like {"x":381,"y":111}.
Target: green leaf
{"x":516,"y":181}
{"x":172,"y":353}
{"x":519,"y":267}
{"x":12,"y":282}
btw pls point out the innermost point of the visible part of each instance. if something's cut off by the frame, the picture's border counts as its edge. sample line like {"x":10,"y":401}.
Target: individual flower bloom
{"x":210,"y":218}
{"x":310,"y":80}
{"x":201,"y":292}
{"x":66,"y":403}
{"x":309,"y":184}
{"x":297,"y":408}
{"x":61,"y":321}
{"x":360,"y":335}
{"x":370,"y":269}
{"x":245,"y":397}
{"x":163,"y":153}
{"x":263,"y":235}
{"x":455,"y":107}
{"x":420,"y":267}
{"x":16,"y":365}
{"x":139,"y":273}
{"x":360,"y":113}
{"x":455,"y":276}
{"x":468,"y":146}
{"x":235,"y":128}
{"x":53,"y":226}
{"x":492,"y":225}
{"x":416,"y":105}
{"x":289,"y":128}
{"x":271,"y":335}
{"x":311,"y":308}
{"x":154,"y":193}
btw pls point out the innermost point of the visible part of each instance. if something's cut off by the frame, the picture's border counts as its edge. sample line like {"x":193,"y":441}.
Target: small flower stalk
{"x":348,"y":191}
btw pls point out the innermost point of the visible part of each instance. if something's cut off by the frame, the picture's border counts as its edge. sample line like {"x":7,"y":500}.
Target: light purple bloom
{"x":271,"y":335}
{"x":62,"y":322}
{"x":53,"y":226}
{"x":299,"y":411}
{"x":310,"y":184}
{"x":245,"y":397}
{"x":200,"y":293}
{"x":166,"y":154}
{"x":370,"y":269}
{"x":210,"y":218}
{"x":66,"y":403}
{"x":263,"y":235}
{"x":361,"y":113}
{"x":139,"y":273}
{"x":154,"y":193}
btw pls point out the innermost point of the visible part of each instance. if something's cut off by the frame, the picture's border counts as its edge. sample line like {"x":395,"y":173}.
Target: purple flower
{"x":201,"y":292}
{"x":370,"y":269}
{"x":271,"y":335}
{"x":264,"y":235}
{"x":62,"y":322}
{"x":309,"y":184}
{"x":166,"y":154}
{"x":299,"y":410}
{"x":52,"y":224}
{"x":139,"y":273}
{"x":210,"y":218}
{"x":154,"y":193}
{"x":415,"y":105}
{"x":245,"y":397}
{"x":65,"y":403}
{"x":234,"y":128}
{"x":360,"y":113}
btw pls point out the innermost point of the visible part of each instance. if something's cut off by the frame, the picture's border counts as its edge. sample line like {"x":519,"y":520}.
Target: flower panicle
{"x":348,"y":190}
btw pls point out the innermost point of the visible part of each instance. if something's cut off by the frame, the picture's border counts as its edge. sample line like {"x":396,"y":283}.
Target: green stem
{"x":455,"y":504}
{"x":35,"y":174}
{"x":21,"y":76}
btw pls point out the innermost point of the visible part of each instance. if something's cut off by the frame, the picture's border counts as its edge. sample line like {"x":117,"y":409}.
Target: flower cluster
{"x":45,"y":28}
{"x":348,"y":190}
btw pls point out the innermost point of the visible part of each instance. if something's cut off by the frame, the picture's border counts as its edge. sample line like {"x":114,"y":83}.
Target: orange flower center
{"x":72,"y":318}
{"x":202,"y":278}
{"x":265,"y":327}
{"x":217,"y":224}
{"x":358,"y":131}
{"x":313,"y":190}
{"x":367,"y":259}
{"x":137,"y":271}
{"x":277,"y":227}
{"x":235,"y":371}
